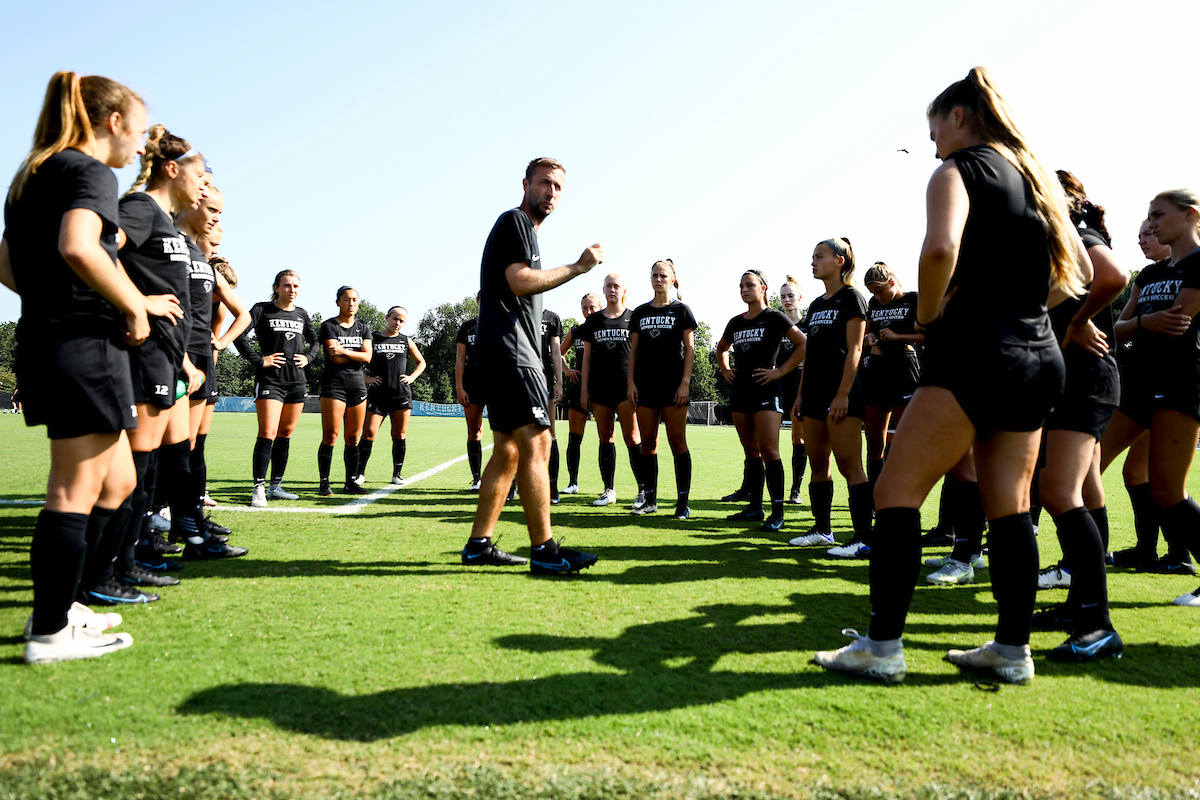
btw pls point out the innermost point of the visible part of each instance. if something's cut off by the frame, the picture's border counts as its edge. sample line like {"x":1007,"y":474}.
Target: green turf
{"x":353,"y":656}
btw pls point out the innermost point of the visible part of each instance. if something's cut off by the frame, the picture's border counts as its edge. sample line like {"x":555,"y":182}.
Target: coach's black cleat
{"x":140,"y":576}
{"x":748,"y":514}
{"x":354,"y":488}
{"x":555,"y":560}
{"x":1089,"y":646}
{"x":325,"y":490}
{"x":211,"y":549}
{"x":486,"y":554}
{"x":740,"y":496}
{"x":111,"y":593}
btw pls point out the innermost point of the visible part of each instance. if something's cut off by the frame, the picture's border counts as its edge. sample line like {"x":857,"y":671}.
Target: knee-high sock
{"x":650,"y":475}
{"x":102,"y":543}
{"x":799,"y":464}
{"x":862,"y":505}
{"x":750,"y":471}
{"x":56,"y":560}
{"x":755,"y":480}
{"x":364,"y":454}
{"x":967,"y":520}
{"x":574,"y":448}
{"x":279,"y":457}
{"x":820,"y":502}
{"x":1035,"y":497}
{"x":350,"y":460}
{"x":1181,"y":524}
{"x":774,"y":480}
{"x":174,"y":466}
{"x":261,"y":459}
{"x":873,"y":470}
{"x":1014,"y":568}
{"x":198,"y":466}
{"x":475,"y":458}
{"x":1145,"y":520}
{"x":945,"y":521}
{"x":399,"y":450}
{"x":635,"y":464}
{"x":156,"y":483}
{"x":1100,"y":517}
{"x":324,"y":461}
{"x":1083,"y":553}
{"x":683,"y":476}
{"x":554,"y":462}
{"x":895,"y":562}
{"x":608,"y":464}
{"x":139,"y":501}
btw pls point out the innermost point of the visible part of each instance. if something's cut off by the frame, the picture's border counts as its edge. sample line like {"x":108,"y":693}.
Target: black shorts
{"x":815,"y":401}
{"x":752,"y":398}
{"x":1089,"y":399}
{"x":78,"y":387}
{"x":889,"y":381}
{"x":1178,"y":391}
{"x":571,"y":396}
{"x":1000,"y":387}
{"x":154,"y":374}
{"x":1137,"y":397}
{"x":515,"y":397}
{"x":207,"y":365}
{"x":658,"y":394}
{"x":347,"y":385}
{"x":789,"y":388}
{"x":290,"y":393}
{"x":609,"y":394}
{"x":382,"y":402}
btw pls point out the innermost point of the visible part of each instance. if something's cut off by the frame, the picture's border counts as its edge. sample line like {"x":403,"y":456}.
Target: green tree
{"x":436,"y":337}
{"x":8,"y":347}
{"x":704,"y":374}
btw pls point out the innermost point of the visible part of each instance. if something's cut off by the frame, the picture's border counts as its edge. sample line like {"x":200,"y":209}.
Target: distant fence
{"x":312,"y":405}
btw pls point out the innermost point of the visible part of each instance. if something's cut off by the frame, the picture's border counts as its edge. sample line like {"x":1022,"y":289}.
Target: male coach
{"x":509,"y":357}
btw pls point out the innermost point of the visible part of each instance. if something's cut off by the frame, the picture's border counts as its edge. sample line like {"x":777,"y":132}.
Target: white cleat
{"x":277,"y":492}
{"x":397,"y":480}
{"x":572,"y":489}
{"x":1054,"y":578}
{"x":607,"y":497}
{"x":474,"y":487}
{"x":74,"y":642}
{"x":208,"y":501}
{"x":941,"y":561}
{"x":639,"y":501}
{"x":854,"y":549}
{"x":952,"y":573}
{"x":1190,"y":599}
{"x":81,"y":616}
{"x":986,"y":660}
{"x":259,"y":498}
{"x":813,"y":538}
{"x":856,"y":659}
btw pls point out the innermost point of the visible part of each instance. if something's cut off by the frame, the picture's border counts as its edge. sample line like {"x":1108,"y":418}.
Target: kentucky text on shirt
{"x":293,"y":325}
{"x":176,"y":247}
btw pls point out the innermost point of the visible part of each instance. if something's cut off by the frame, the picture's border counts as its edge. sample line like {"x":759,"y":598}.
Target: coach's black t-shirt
{"x":660,"y":341}
{"x":755,"y":343}
{"x":200,"y":289}
{"x":509,"y":331}
{"x":157,"y":259}
{"x":466,"y":337}
{"x":825,"y":358}
{"x":900,"y":315}
{"x":350,"y":338}
{"x":279,"y":331}
{"x":389,"y":362}
{"x":1003,"y":272}
{"x":552,"y":327}
{"x":1062,"y":314}
{"x":610,"y":351}
{"x":56,"y":304}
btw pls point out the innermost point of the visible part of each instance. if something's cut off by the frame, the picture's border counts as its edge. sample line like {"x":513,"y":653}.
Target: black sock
{"x":774,"y":480}
{"x":799,"y":464}
{"x":608,"y":464}
{"x":324,"y":461}
{"x":650,"y":473}
{"x":176,"y":474}
{"x":1035,"y":497}
{"x":56,"y":562}
{"x":635,"y":464}
{"x":895,"y":563}
{"x":574,"y":447}
{"x":198,"y":467}
{"x":475,"y":458}
{"x":279,"y":457}
{"x":967,"y":520}
{"x":862,"y":505}
{"x":683,"y":477}
{"x":756,"y":477}
{"x":750,"y":468}
{"x":1083,"y":554}
{"x":945,"y":521}
{"x":553,"y":463}
{"x":156,"y":490}
{"x":1014,"y":570}
{"x":873,"y":470}
{"x":399,"y":451}
{"x":1181,"y":526}
{"x":364,"y":454}
{"x":139,"y":501}
{"x":820,"y":502}
{"x":261,"y":459}
{"x":350,"y":461}
{"x":546,"y":548}
{"x":1145,"y":520}
{"x":101,"y":549}
{"x":1100,"y":517}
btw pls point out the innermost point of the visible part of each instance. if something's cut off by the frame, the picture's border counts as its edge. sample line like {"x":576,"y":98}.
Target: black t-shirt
{"x":825,"y":357}
{"x":1159,"y":285}
{"x":389,"y":361}
{"x":279,"y":331}
{"x":610,"y":350}
{"x":509,"y":329}
{"x":200,"y":289}
{"x":755,"y":343}
{"x":157,"y":259}
{"x":660,"y":341}
{"x":1062,"y":314}
{"x":577,"y":343}
{"x":1003,"y":270}
{"x":790,"y":384}
{"x":466,"y":337}
{"x":900,"y":315}
{"x":350,"y":338}
{"x":56,"y":304}
{"x":551,"y":327}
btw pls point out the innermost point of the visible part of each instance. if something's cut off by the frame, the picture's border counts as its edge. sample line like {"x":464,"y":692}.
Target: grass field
{"x":352,"y":655}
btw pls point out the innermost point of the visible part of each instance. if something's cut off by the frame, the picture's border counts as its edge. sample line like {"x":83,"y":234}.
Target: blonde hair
{"x":1183,"y":199}
{"x":840,"y":246}
{"x":624,"y":287}
{"x":283,"y":273}
{"x":669,"y":264}
{"x":71,"y":111}
{"x":994,"y":122}
{"x":221,"y":265}
{"x":789,"y":279}
{"x":596,"y":299}
{"x":879,"y":273}
{"x":162,"y":147}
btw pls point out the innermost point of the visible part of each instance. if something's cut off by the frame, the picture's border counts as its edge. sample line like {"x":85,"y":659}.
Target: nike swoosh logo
{"x":474,"y":555}
{"x":1093,"y":647}
{"x":563,"y":565}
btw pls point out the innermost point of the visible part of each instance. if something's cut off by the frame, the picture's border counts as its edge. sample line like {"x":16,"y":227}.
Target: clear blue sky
{"x":375,"y":144}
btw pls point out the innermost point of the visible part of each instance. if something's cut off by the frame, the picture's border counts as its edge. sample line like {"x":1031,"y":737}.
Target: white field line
{"x":353,"y":507}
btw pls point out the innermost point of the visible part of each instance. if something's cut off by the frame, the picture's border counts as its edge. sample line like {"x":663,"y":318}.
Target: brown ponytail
{"x":1080,"y":208}
{"x":841,"y":248}
{"x":283,"y":273}
{"x":669,"y":264}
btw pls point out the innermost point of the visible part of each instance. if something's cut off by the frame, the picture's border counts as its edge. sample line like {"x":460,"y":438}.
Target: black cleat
{"x":748,"y":514}
{"x":681,"y":513}
{"x":563,"y":562}
{"x":1090,"y":646}
{"x":156,"y":563}
{"x":488,"y":555}
{"x":1061,"y":617}
{"x":111,"y":593}
{"x":211,"y":549}
{"x":938,"y":537}
{"x":1132,"y":557}
{"x":158,"y":544}
{"x":1170,"y":565}
{"x":774,"y":523}
{"x":740,"y":496}
{"x":140,"y":576}
{"x":325,"y":490}
{"x":354,"y":488}
{"x":215,"y":529}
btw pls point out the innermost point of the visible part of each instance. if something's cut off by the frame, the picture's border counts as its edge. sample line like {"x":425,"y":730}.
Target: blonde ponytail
{"x":162,"y":147}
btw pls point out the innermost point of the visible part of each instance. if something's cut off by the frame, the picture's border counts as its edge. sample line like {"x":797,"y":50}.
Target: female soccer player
{"x":992,"y":370}
{"x":789,"y":386}
{"x":390,"y":393}
{"x":470,"y":395}
{"x":59,"y":252}
{"x":577,"y":415}
{"x":754,"y":338}
{"x":282,"y":330}
{"x":605,"y":378}
{"x":662,"y":350}
{"x":347,"y":342}
{"x":831,"y":399}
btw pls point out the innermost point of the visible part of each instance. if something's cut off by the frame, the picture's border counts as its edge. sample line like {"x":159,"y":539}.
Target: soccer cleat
{"x":215,"y":529}
{"x":474,"y":487}
{"x":564,"y":562}
{"x":74,"y":642}
{"x":156,"y":563}
{"x":111,"y":593}
{"x":554,"y":498}
{"x":681,"y":513}
{"x":81,"y":616}
{"x":856,"y":659}
{"x":258,"y":499}
{"x":1169,"y":565}
{"x":1054,"y":578}
{"x":488,"y":555}
{"x":1090,"y":646}
{"x":941,"y":561}
{"x":571,"y":489}
{"x":772,"y":524}
{"x":740,"y":496}
{"x":208,"y":501}
{"x":606,"y":497}
{"x":353,"y":488}
{"x":796,"y":498}
{"x":639,"y":501}
{"x":140,"y":576}
{"x":749,"y":514}
{"x":512,"y":494}
{"x":952,"y":573}
{"x":645,"y":508}
{"x":360,"y":479}
{"x":1132,"y":557}
{"x":938,"y":537}
{"x":211,"y":549}
{"x":814,"y":538}
{"x":851,"y":549}
{"x":157,"y":544}
{"x":984,"y":659}
{"x":325,"y":490}
{"x":161,"y":520}
{"x":1190,"y":599}
{"x":1059,"y":617}
{"x":397,"y":480}
{"x":277,"y":492}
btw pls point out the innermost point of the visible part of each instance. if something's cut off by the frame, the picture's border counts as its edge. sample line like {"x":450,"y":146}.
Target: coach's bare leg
{"x":533,"y":479}
{"x":495,"y":482}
